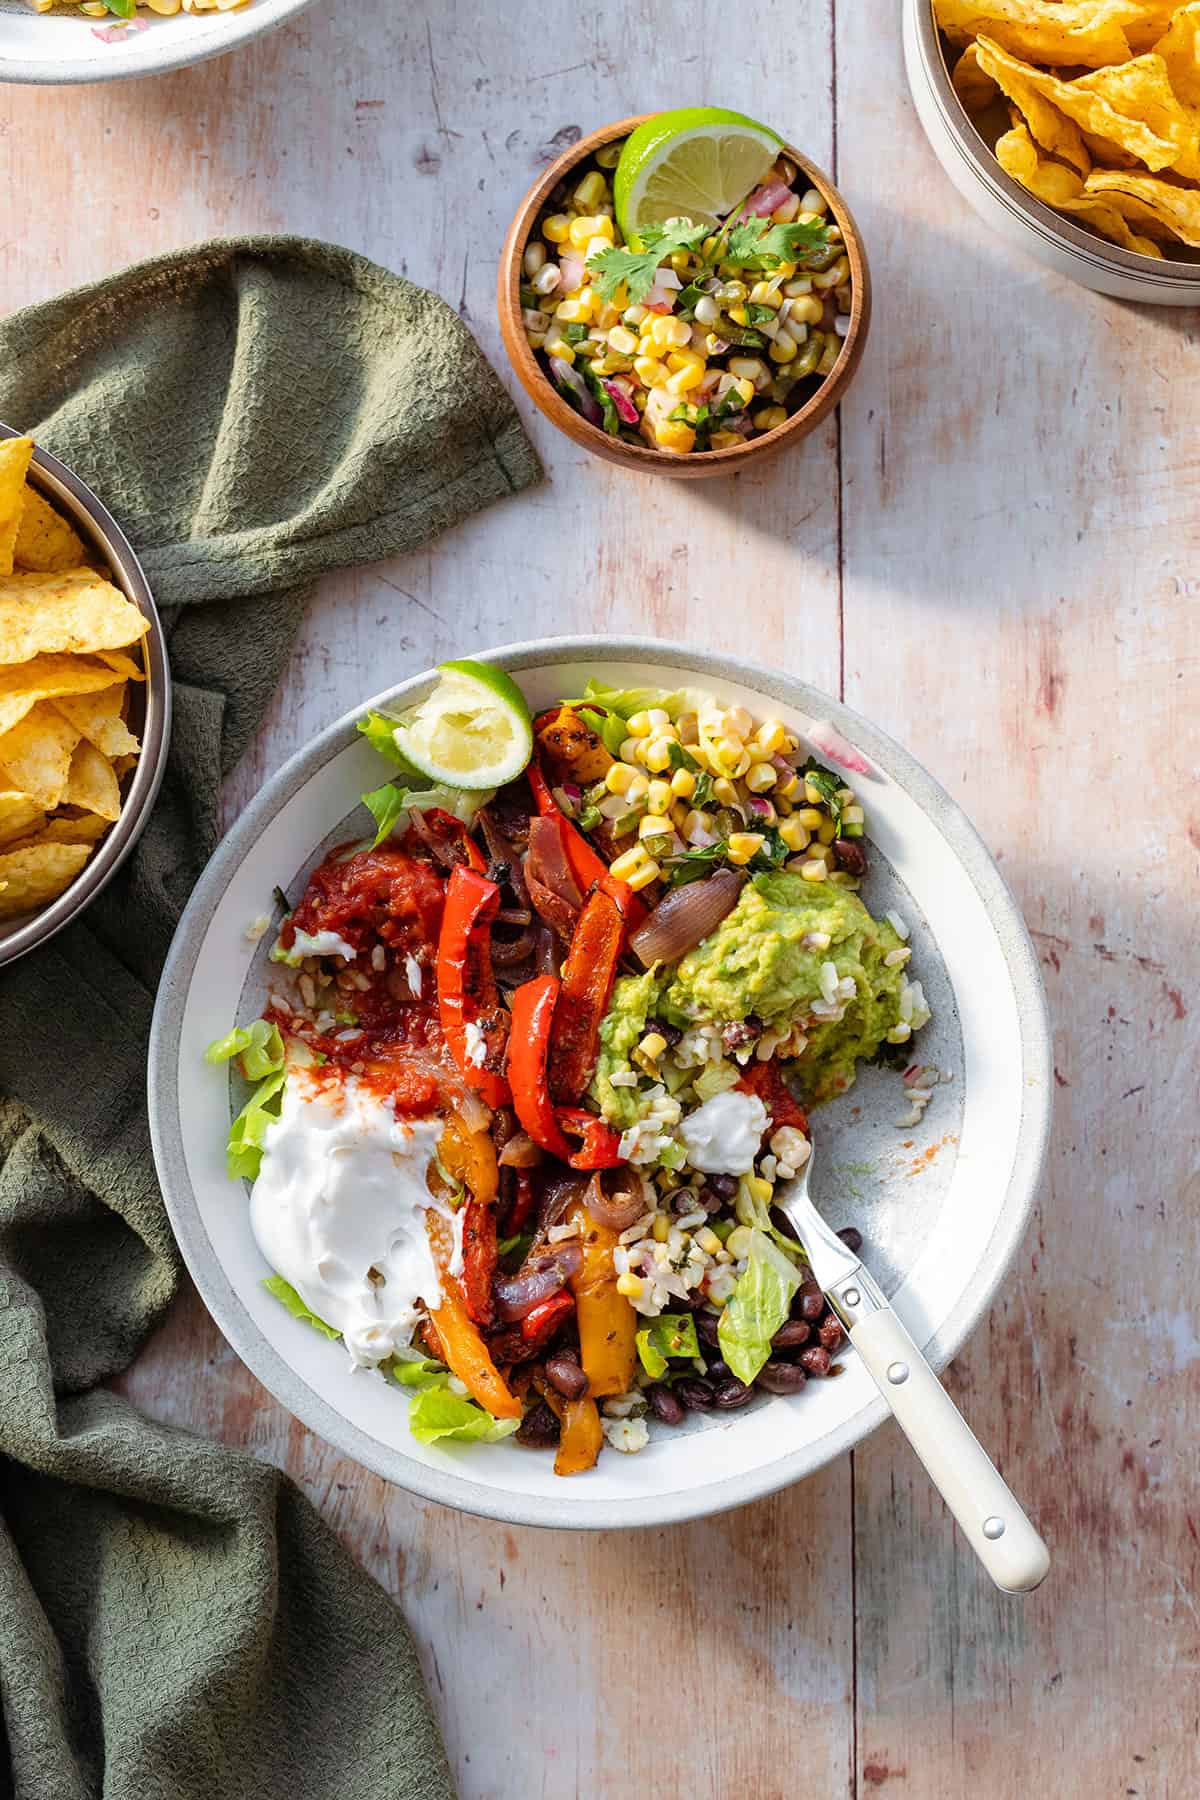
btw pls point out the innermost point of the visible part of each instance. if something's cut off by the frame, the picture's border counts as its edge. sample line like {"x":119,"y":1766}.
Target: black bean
{"x":812,"y":1302}
{"x":663,"y":1404}
{"x":814,"y":1361}
{"x":718,"y":1369}
{"x":672,"y":1033}
{"x":792,"y":1335}
{"x":731,"y":1393}
{"x":695,"y":1393}
{"x":849,"y":855}
{"x":724,"y":1185}
{"x":780,"y":1377}
{"x":851,"y":1238}
{"x":707,"y":1326}
{"x":829,"y":1331}
{"x":564,"y":1373}
{"x":538,"y":1430}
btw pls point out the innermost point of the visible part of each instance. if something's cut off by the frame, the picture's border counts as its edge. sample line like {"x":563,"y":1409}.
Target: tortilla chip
{"x":1140,"y":111}
{"x":14,"y":460}
{"x":1060,"y":187}
{"x":974,"y":89}
{"x":124,"y":665}
{"x":44,"y":540}
{"x":1066,"y":33}
{"x":99,"y":717}
{"x":22,"y":685}
{"x":1023,"y":85}
{"x":19,"y":813}
{"x":77,"y":610}
{"x":1154,"y":18}
{"x":1180,"y":51}
{"x":92,"y":784}
{"x":86,"y":828}
{"x":1158,"y":206}
{"x":35,"y":755}
{"x":37,"y":874}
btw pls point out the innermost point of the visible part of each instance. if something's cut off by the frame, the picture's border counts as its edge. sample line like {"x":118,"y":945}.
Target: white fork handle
{"x":988,"y":1513}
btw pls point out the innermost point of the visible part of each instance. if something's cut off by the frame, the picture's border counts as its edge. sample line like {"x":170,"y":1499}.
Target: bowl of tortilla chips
{"x":1073,"y":127}
{"x":84,"y":696}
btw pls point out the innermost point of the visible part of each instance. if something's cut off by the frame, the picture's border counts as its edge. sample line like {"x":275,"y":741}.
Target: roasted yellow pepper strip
{"x":463,"y":1350}
{"x":607,"y":1322}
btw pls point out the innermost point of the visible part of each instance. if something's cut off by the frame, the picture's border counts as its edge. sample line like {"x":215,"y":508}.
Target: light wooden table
{"x":995,"y":553}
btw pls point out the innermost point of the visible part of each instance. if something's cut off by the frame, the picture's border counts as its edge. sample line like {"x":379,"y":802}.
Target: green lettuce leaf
{"x":435,"y":1413}
{"x":671,"y":1334}
{"x":389,"y":803}
{"x":380,"y":733}
{"x":758,"y":1306}
{"x":627,"y":701}
{"x":609,"y":728}
{"x":420,"y":1374}
{"x":285,"y":1292}
{"x":243,"y":1153}
{"x":258,"y":1044}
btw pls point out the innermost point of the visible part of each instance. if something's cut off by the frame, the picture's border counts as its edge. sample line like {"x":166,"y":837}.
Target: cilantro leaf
{"x":828,"y":786}
{"x":755,"y":243}
{"x":638,"y":268}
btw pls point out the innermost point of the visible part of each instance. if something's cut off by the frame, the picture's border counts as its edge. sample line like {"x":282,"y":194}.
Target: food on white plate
{"x":68,"y":649}
{"x":535,"y":1056}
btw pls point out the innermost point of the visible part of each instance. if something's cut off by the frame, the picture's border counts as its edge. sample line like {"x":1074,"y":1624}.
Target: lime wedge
{"x":474,"y":731}
{"x":697,"y":162}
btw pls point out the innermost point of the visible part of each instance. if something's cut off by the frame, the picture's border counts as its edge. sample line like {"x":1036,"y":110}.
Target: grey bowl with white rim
{"x":942,"y":1204}
{"x":150,"y":704}
{"x":1063,"y":245}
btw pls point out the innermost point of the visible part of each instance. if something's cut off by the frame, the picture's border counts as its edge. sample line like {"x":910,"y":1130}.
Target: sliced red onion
{"x":686,"y":916}
{"x":765,"y":200}
{"x":829,"y":741}
{"x":521,"y":1152}
{"x":667,"y":278}
{"x":567,"y":377}
{"x":618,"y":1204}
{"x":515,"y":950}
{"x":517,"y":1295}
{"x":759,"y":806}
{"x":570,"y":269}
{"x":627,"y":412}
{"x":547,"y":862}
{"x":475,"y":1114}
{"x":659,"y":299}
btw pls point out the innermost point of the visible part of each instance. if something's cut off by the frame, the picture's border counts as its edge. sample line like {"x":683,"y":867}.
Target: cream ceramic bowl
{"x":49,"y":49}
{"x":1053,"y":239}
{"x":942,"y":1205}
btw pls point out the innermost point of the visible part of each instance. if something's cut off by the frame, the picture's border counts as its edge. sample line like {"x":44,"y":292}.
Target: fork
{"x":988,"y":1513}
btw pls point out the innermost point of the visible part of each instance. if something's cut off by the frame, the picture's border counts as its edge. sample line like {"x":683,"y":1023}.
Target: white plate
{"x":59,"y":47}
{"x":942,"y":1206}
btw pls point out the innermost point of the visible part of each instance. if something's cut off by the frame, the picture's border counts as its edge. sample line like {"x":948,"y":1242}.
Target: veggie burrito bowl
{"x":524,"y":1047}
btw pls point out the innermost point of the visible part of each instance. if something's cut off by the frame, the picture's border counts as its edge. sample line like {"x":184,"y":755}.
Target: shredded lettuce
{"x":672,"y":1334}
{"x":435,"y":1413}
{"x":627,"y":701}
{"x":285,"y":1292}
{"x":388,"y":804}
{"x":609,"y":728}
{"x":258,"y":1044}
{"x":380,"y":733}
{"x":243,"y":1153}
{"x":420,"y":1374}
{"x":758,"y":1306}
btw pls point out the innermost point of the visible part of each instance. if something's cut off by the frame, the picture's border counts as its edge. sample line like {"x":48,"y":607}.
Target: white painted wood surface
{"x":994,"y":552}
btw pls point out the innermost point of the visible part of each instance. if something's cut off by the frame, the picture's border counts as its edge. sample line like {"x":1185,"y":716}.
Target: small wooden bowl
{"x":661,"y":462}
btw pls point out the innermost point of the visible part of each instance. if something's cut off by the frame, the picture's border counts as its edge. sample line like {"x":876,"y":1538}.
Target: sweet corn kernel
{"x":684,"y":380}
{"x":759,"y":1189}
{"x":724,"y":791}
{"x":768,"y":417}
{"x":630,"y":1286}
{"x":739,"y":315}
{"x":812,"y":794}
{"x":629,"y":750}
{"x":634,"y":316}
{"x":679,"y":813}
{"x":620,"y":778}
{"x":794,"y":834}
{"x":573,"y":312}
{"x":688,"y":727}
{"x":739,"y":1241}
{"x":707,"y":1239}
{"x":653,"y":825}
{"x":653,"y":1045}
{"x":770,"y":737}
{"x":558,"y":346}
{"x":745,"y":390}
{"x":591,"y":190}
{"x":660,"y":720}
{"x":650,"y":371}
{"x":657,"y":754}
{"x":748,"y":368}
{"x":760,"y":777}
{"x":826,"y":831}
{"x":608,"y":316}
{"x":725,"y":440}
{"x":674,"y":436}
{"x":660,"y":1231}
{"x":763,"y":293}
{"x":622,"y":340}
{"x":684,"y":359}
{"x":678,"y":332}
{"x":556,"y":228}
{"x":811,"y":817}
{"x":812,"y":871}
{"x":742,"y":845}
{"x":658,"y":797}
{"x":661,"y":331}
{"x":644,"y":877}
{"x":638,"y":725}
{"x":631,"y":863}
{"x":683,"y":784}
{"x":782,"y":349}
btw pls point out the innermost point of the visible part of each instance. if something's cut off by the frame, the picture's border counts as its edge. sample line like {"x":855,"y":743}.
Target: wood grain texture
{"x":1005,"y":578}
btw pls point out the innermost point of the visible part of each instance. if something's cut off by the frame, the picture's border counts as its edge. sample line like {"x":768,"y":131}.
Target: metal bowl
{"x":1055,"y":240}
{"x":150,"y":704}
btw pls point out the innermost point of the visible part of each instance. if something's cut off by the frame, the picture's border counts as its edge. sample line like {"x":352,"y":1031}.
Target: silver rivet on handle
{"x":897,"y":1372}
{"x":993,"y":1528}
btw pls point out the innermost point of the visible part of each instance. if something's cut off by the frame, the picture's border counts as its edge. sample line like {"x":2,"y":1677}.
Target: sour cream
{"x":342,"y":1191}
{"x":312,"y":943}
{"x":722,"y":1137}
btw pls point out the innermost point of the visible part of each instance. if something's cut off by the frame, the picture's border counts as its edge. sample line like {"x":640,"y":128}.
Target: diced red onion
{"x":765,"y":200}
{"x":570,"y":268}
{"x":686,"y":916}
{"x":658,"y":299}
{"x":517,"y":1295}
{"x":627,"y":412}
{"x":521,"y":1152}
{"x":829,"y":741}
{"x":618,"y":1205}
{"x":565,"y":376}
{"x":667,"y":278}
{"x":759,"y":806}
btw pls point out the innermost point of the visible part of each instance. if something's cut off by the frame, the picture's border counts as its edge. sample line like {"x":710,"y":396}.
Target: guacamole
{"x":768,"y":959}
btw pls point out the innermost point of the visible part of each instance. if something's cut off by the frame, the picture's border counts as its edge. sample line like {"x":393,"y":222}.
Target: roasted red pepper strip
{"x":479,"y":1260}
{"x":600,"y":1146}
{"x":589,"y":869}
{"x":533,"y":1006}
{"x":465,"y":982}
{"x":587,"y":984}
{"x":456,"y":834}
{"x":521,"y":1210}
{"x":783,"y":1108}
{"x":540,"y":1324}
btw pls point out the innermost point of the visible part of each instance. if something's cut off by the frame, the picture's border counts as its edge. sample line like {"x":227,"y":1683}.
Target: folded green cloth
{"x":175,"y":1620}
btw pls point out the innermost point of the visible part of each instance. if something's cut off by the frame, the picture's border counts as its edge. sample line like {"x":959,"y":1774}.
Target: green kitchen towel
{"x":176,"y":1623}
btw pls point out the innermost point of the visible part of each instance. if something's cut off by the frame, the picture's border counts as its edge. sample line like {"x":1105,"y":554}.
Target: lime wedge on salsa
{"x":474,"y":730}
{"x":697,"y":162}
